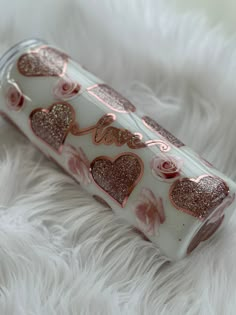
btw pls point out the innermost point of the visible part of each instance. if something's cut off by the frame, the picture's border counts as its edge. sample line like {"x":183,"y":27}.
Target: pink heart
{"x":43,"y":62}
{"x":198,"y":197}
{"x":53,"y":124}
{"x":119,"y":176}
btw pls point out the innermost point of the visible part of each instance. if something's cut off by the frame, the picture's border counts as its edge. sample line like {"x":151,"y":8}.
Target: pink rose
{"x":78,"y":164}
{"x":166,"y":167}
{"x":149,"y":212}
{"x":14,"y":98}
{"x":66,"y":89}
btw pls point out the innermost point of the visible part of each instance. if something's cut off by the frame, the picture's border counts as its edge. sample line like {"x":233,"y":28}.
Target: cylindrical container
{"x":124,"y":158}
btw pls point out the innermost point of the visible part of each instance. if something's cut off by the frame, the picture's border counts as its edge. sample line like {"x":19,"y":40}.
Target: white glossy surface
{"x":175,"y":234}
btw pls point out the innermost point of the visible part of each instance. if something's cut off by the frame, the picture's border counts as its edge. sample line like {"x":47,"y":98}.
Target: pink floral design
{"x":166,"y":167}
{"x":149,"y":211}
{"x":78,"y":164}
{"x":66,"y":89}
{"x":14,"y":97}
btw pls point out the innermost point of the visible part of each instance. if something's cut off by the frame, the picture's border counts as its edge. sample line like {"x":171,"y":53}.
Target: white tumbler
{"x":121,"y":156}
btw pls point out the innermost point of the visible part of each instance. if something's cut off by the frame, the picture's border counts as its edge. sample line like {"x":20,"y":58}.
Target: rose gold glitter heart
{"x":43,"y":62}
{"x":53,"y":124}
{"x":119,"y":176}
{"x":198,"y":197}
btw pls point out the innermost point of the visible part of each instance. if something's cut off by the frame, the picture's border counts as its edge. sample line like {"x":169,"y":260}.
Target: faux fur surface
{"x":62,"y":253}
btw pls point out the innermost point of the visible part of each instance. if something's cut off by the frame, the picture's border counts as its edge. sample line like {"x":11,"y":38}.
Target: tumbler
{"x":122,"y":157}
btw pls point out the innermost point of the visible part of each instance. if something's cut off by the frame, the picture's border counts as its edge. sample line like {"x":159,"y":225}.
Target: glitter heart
{"x":119,"y":176}
{"x":53,"y":124}
{"x":198,"y":197}
{"x":43,"y":62}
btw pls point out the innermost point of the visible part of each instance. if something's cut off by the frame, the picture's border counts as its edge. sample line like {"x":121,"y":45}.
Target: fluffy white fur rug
{"x":61,"y":253}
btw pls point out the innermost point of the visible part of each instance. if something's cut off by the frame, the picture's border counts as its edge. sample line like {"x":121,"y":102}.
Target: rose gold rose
{"x":66,"y":89}
{"x":14,"y":98}
{"x":166,"y":167}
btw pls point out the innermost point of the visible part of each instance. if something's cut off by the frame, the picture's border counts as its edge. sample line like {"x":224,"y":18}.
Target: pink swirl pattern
{"x":14,"y":98}
{"x":166,"y":168}
{"x":66,"y":89}
{"x":78,"y":164}
{"x":149,"y":212}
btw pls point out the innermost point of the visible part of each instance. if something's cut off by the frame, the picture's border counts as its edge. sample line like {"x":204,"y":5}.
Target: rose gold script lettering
{"x":103,"y":133}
